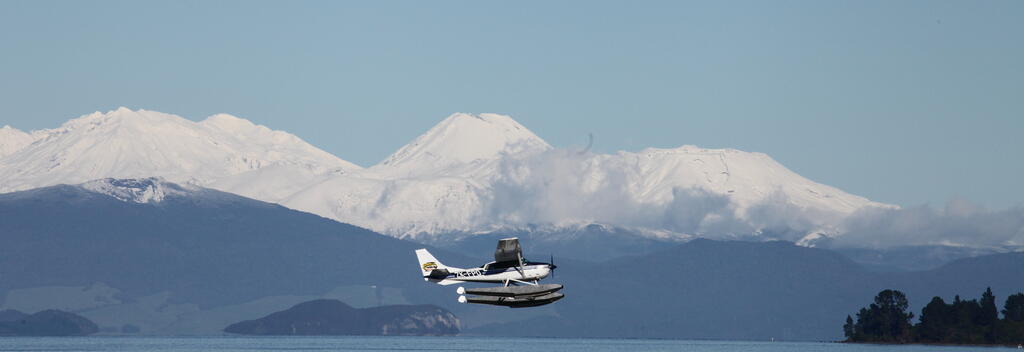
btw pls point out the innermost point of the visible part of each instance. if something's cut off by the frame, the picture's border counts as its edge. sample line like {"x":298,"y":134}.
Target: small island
{"x":334,"y":317}
{"x":50,"y":322}
{"x":962,"y":322}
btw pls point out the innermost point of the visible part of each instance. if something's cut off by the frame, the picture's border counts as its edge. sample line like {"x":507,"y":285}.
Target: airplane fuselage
{"x":531,"y":272}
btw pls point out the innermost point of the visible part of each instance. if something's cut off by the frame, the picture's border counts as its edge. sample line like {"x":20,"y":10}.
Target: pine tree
{"x":895,"y":319}
{"x":885,"y":320}
{"x":848,"y":329}
{"x":936,"y":321}
{"x":863,"y":324}
{"x":989,"y":316}
{"x":1013,"y":310}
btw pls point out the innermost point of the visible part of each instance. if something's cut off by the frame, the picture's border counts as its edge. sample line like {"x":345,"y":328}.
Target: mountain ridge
{"x":135,"y":144}
{"x":468,"y":174}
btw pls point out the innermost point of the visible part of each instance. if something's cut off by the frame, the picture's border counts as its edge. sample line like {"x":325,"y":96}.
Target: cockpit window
{"x":502,"y":265}
{"x":506,"y":265}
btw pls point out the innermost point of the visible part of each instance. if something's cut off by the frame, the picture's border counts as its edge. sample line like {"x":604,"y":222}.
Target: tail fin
{"x":427,"y":262}
{"x":433,"y":270}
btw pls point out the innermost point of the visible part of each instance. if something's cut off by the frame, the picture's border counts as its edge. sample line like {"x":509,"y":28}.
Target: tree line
{"x":976,"y":321}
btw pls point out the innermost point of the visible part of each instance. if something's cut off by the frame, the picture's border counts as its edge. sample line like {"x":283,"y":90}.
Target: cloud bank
{"x":959,"y":223}
{"x":564,"y":187}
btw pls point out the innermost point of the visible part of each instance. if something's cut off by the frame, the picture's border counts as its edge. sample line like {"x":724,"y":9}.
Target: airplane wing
{"x":508,"y":251}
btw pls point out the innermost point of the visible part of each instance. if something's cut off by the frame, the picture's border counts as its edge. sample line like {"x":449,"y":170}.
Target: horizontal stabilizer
{"x":444,"y":282}
{"x":511,"y":291}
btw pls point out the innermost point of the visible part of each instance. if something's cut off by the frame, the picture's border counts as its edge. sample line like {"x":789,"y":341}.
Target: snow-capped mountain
{"x":138,"y":144}
{"x":468,"y":174}
{"x":438,"y":183}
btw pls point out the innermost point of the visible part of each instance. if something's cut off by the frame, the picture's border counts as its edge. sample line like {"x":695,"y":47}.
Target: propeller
{"x":553,"y":266}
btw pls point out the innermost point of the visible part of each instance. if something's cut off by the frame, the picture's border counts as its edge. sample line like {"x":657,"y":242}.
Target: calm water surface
{"x":361,"y":343}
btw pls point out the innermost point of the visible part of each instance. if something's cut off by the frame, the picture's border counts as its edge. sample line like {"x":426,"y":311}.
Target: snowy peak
{"x":143,"y":191}
{"x":242,"y":128}
{"x":231,"y":123}
{"x":12,"y":140}
{"x":122,"y":120}
{"x":465,"y":138}
{"x":136,"y":144}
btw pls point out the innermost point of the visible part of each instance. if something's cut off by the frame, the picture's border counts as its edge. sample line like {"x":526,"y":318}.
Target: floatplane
{"x":520,"y":278}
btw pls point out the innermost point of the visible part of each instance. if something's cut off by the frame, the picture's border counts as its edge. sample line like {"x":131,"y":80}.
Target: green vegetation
{"x":973,"y":322}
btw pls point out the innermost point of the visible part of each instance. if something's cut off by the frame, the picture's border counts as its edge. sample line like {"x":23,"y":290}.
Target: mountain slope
{"x":747,"y":178}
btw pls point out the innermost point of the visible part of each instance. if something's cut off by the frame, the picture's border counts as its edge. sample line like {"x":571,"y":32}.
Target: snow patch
{"x":146,"y":190}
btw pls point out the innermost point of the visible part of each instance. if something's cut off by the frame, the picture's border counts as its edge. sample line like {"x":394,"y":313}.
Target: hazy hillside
{"x":192,"y":252}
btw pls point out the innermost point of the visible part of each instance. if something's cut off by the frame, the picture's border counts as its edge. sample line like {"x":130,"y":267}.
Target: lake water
{"x":365,"y":343}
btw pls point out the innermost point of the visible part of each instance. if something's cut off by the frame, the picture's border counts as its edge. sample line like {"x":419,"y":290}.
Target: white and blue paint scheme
{"x":508,"y":268}
{"x":494,"y":272}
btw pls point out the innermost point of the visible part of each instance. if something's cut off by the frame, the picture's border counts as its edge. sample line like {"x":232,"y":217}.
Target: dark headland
{"x":334,"y":317}
{"x":50,"y":322}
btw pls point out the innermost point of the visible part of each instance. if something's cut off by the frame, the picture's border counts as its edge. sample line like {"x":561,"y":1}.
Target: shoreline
{"x":1017,"y":345}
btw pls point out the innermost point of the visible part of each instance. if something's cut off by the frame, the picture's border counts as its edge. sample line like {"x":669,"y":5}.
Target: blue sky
{"x":905,"y":102}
